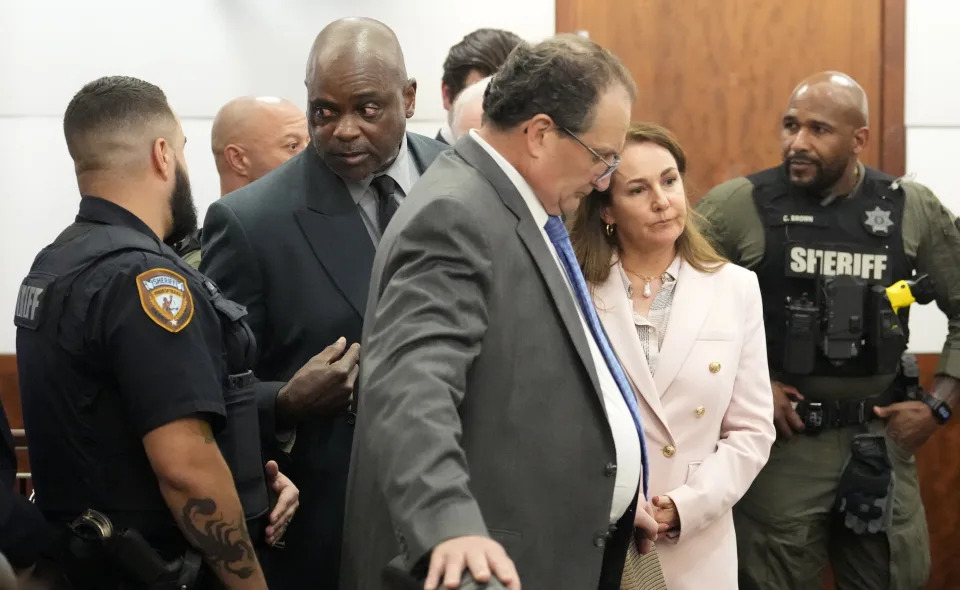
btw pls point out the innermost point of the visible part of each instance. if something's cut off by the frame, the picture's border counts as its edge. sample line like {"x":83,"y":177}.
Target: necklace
{"x":647,"y":291}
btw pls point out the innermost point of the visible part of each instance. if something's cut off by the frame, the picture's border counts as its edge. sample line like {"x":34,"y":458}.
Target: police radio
{"x":843,"y":325}
{"x":803,"y":332}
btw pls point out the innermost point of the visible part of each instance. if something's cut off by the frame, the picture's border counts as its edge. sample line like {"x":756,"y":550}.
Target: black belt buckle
{"x":240,"y":380}
{"x":813,"y":420}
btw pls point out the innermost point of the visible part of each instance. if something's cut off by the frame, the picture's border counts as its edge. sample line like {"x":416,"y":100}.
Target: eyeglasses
{"x":611,"y":166}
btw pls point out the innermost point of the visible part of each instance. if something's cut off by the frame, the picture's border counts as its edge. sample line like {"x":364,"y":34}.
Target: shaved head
{"x":837,"y":92}
{"x":359,"y":97}
{"x":362,"y":40}
{"x":253,"y":135}
{"x":824,"y":131}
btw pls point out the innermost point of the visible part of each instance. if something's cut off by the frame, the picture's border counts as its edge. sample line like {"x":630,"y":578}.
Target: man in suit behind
{"x":296,"y":248}
{"x":478,"y":351}
{"x":478,"y":55}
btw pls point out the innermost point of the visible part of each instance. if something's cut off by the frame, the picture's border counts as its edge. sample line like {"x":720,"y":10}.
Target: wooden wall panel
{"x":10,"y":390}
{"x":719,"y":73}
{"x":893,"y":143}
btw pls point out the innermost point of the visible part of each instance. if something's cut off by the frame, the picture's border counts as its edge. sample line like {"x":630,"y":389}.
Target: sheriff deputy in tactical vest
{"x":826,"y":236}
{"x":143,"y":418}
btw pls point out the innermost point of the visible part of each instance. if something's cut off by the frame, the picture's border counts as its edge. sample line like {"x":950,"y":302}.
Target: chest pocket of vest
{"x":33,"y":300}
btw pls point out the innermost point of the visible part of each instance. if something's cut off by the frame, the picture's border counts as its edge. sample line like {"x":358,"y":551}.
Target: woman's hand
{"x":666,"y":515}
{"x":646,"y":528}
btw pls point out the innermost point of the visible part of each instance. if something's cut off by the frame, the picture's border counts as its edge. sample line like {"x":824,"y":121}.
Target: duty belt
{"x":820,"y":415}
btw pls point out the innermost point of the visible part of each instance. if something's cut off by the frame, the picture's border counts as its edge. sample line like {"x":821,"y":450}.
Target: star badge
{"x":878,"y":222}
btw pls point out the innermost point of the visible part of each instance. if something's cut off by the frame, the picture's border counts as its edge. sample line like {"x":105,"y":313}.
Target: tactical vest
{"x":822,"y":275}
{"x":42,"y":300}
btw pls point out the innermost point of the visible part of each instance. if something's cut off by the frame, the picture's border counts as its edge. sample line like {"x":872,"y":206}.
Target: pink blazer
{"x":708,"y":412}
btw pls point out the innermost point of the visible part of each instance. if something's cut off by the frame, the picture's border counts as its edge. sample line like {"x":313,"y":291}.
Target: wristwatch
{"x":941,"y":410}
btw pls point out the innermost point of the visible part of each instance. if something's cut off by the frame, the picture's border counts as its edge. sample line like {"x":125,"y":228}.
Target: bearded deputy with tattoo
{"x":144,"y":422}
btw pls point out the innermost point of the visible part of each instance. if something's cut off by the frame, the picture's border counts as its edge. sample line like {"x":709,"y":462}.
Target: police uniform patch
{"x":878,"y":221}
{"x":165,"y":298}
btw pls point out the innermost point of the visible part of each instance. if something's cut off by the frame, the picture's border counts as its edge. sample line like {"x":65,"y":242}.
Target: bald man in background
{"x":296,"y":248}
{"x":468,"y":109}
{"x":251,"y":136}
{"x":823,"y":232}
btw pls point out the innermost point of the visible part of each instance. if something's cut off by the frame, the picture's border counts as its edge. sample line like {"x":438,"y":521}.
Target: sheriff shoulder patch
{"x":165,"y":298}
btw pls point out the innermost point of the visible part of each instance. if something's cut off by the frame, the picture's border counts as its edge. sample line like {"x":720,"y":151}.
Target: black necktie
{"x":385,"y":187}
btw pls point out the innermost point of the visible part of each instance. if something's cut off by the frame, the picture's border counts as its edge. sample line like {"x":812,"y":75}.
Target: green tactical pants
{"x":787,"y":527}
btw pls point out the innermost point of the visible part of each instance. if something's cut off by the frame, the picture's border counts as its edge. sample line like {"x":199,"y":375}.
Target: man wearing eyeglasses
{"x":496,"y":432}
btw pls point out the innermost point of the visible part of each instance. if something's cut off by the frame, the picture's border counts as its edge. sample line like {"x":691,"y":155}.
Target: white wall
{"x":202,"y":53}
{"x":933,"y":127}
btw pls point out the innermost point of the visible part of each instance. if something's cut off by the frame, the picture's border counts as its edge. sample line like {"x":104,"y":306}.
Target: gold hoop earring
{"x":610,"y":228}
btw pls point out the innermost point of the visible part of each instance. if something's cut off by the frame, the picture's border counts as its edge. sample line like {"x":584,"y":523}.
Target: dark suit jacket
{"x":440,"y":138}
{"x":480,"y":411}
{"x":293,"y":249}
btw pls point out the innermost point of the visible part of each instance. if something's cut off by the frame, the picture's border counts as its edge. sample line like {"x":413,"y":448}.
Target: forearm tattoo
{"x":224,"y":543}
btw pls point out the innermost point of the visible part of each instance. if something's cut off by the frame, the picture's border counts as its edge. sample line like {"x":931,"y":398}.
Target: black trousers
{"x":615,"y":551}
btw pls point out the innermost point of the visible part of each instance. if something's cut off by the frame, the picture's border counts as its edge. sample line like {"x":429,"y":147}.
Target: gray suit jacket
{"x":292,"y":248}
{"x":479,"y":411}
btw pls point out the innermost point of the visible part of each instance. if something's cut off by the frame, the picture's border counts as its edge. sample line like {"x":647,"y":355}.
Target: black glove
{"x":865,"y":491}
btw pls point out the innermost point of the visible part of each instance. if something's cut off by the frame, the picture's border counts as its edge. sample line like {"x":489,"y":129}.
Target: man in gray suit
{"x":494,"y":433}
{"x":296,"y":248}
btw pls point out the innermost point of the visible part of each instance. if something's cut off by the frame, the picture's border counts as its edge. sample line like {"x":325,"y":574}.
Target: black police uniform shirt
{"x":128,"y":359}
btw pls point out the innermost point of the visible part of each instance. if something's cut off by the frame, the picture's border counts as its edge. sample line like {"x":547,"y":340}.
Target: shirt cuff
{"x":266,"y":394}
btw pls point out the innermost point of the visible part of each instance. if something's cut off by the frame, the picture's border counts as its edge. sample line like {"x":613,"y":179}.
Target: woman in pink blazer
{"x":688,"y":329}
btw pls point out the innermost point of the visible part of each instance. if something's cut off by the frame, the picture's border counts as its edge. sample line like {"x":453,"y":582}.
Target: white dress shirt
{"x":624,"y":431}
{"x":403,"y":171}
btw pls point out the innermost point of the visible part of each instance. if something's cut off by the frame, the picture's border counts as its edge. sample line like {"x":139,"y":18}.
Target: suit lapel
{"x":534,"y":242}
{"x":616,"y":314}
{"x":332,"y":225}
{"x":423,"y":150}
{"x":687,"y":314}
